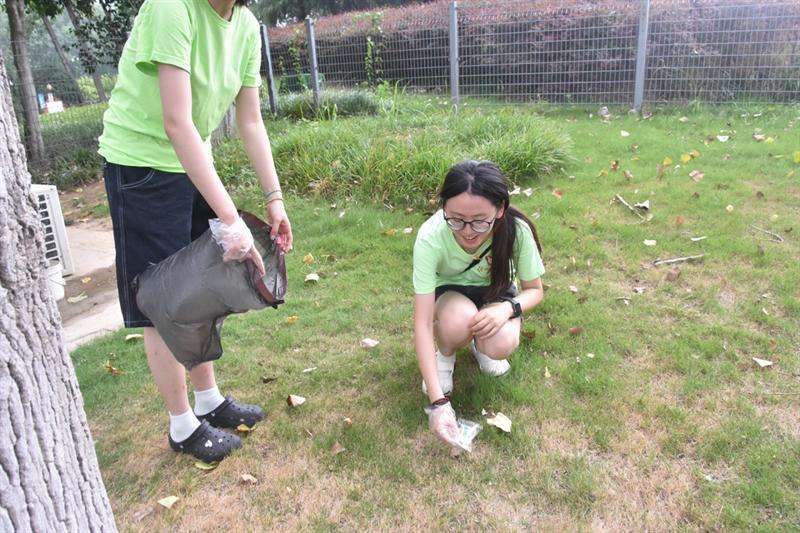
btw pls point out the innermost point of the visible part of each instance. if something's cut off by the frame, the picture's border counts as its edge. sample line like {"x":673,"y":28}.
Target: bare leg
{"x":168,"y":374}
{"x":452,"y":315}
{"x":503,"y":343}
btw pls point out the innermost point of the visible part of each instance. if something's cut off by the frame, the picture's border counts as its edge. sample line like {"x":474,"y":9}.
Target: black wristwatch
{"x":514,"y":305}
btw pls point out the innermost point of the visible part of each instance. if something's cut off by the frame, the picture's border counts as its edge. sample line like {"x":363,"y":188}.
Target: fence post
{"x":312,"y":56}
{"x":453,"y":17}
{"x":641,"y":55}
{"x":273,"y":95}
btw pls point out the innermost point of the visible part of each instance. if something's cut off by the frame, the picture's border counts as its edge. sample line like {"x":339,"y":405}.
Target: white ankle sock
{"x":183,"y":425}
{"x":207,"y":400}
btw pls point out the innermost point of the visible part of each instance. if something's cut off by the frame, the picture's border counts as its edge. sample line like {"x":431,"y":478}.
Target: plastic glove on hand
{"x":235,"y":239}
{"x":442,"y":421}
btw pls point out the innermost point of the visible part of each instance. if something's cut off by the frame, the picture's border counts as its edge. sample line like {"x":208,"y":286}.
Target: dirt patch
{"x":98,"y":286}
{"x":84,"y":203}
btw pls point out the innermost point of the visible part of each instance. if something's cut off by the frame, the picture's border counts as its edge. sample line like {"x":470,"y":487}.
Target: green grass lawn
{"x":635,"y":399}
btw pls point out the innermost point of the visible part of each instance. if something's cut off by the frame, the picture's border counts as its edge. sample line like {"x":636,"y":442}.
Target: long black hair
{"x":484,"y":178}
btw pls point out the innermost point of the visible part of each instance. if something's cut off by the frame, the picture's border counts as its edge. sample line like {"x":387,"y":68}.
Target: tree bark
{"x":30,"y":107}
{"x":90,"y":63}
{"x":59,"y":49}
{"x":49,"y":477}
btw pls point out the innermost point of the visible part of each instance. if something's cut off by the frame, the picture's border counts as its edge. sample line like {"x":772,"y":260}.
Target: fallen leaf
{"x":679,"y":221}
{"x":140,"y":515}
{"x":202,"y":465}
{"x":527,"y":192}
{"x":763,"y":363}
{"x":643,"y":205}
{"x":650,"y":242}
{"x":528,"y":334}
{"x":628,"y":174}
{"x":667,"y":161}
{"x":602,"y":174}
{"x":347,"y":422}
{"x":408,"y":231}
{"x":758,"y":136}
{"x":673,"y":274}
{"x":308,"y":259}
{"x":624,"y":133}
{"x":694,"y":153}
{"x":546,"y":373}
{"x":133,"y":337}
{"x":772,"y":345}
{"x":294,"y":401}
{"x":501,"y":421}
{"x":729,"y":208}
{"x":685,"y":158}
{"x":575,"y":331}
{"x":697,"y":175}
{"x":558,"y":194}
{"x":168,"y":502}
{"x":590,"y":355}
{"x":723,"y":138}
{"x":329,"y":258}
{"x":796,"y":156}
{"x":573,"y":288}
{"x":514,"y":192}
{"x":268,"y":379}
{"x":291,"y":319}
{"x":244,"y":428}
{"x":79,"y":298}
{"x":615,"y":165}
{"x":114,"y":371}
{"x":683,"y":119}
{"x":368,"y":343}
{"x":337,"y":448}
{"x":639,"y":290}
{"x":390,"y":232}
{"x":341,"y":214}
{"x":86,"y":280}
{"x":247,"y":478}
{"x":312,"y":277}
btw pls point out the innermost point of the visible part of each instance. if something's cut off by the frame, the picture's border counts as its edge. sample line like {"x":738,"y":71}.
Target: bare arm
{"x":176,"y":101}
{"x":256,"y":144}
{"x":424,"y":343}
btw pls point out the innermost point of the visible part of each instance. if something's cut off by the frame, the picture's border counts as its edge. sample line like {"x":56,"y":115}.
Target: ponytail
{"x":503,"y":241}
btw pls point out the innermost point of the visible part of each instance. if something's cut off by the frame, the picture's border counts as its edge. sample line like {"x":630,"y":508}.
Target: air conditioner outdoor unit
{"x":55,"y":232}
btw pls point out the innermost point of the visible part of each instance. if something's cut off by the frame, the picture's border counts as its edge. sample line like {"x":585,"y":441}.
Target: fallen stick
{"x":775,"y":237}
{"x":676,"y":260}
{"x":621,"y":200}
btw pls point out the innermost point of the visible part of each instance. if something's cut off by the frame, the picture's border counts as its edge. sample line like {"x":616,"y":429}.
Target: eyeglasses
{"x":478,"y":226}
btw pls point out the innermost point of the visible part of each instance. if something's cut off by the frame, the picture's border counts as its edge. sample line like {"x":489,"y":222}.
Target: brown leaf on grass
{"x":673,"y":274}
{"x":308,"y":259}
{"x":628,"y":174}
{"x":133,"y":337}
{"x":667,"y":161}
{"x":551,"y":328}
{"x":575,"y":331}
{"x":202,"y":465}
{"x":528,"y":334}
{"x":694,"y":153}
{"x":244,"y":428}
{"x":295,"y":401}
{"x":337,"y":448}
{"x":558,"y":194}
{"x":291,"y":319}
{"x":114,"y":371}
{"x":330,"y":258}
{"x":86,"y":280}
{"x":679,"y":221}
{"x":772,"y":344}
{"x":141,"y":514}
{"x":615,"y":165}
{"x":573,"y":288}
{"x":247,"y":478}
{"x":546,"y":373}
{"x":267,"y":379}
{"x":634,"y":147}
{"x":758,"y":136}
{"x":602,"y":174}
{"x":347,"y":422}
{"x":685,"y":158}
{"x":390,"y":232}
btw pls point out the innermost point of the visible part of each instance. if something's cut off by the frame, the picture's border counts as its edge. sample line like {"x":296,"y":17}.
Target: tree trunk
{"x":89,"y":61}
{"x":30,"y":107}
{"x":226,"y":128}
{"x":59,"y":49}
{"x":49,"y":477}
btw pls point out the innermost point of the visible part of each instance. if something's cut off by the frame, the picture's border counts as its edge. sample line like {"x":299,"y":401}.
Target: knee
{"x":455,"y":321}
{"x":502,"y":344}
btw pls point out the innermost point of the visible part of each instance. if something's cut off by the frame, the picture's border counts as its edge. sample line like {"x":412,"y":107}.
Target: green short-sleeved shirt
{"x":440,"y":260}
{"x":221,"y":57}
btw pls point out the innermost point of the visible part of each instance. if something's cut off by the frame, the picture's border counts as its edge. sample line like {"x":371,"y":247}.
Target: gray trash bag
{"x":188,"y":295}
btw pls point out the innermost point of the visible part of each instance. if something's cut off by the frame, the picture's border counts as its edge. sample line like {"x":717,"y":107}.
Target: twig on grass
{"x":677,"y":260}
{"x":775,"y":237}
{"x":621,"y":200}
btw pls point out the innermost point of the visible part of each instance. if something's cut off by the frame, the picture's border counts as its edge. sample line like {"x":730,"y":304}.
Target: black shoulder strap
{"x":476,"y":260}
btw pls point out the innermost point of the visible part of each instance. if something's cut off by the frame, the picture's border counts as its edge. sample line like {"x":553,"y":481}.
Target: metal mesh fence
{"x":565,"y":51}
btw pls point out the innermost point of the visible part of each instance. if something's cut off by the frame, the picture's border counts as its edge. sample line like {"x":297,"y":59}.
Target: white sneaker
{"x":493,"y":367}
{"x":446,"y":366}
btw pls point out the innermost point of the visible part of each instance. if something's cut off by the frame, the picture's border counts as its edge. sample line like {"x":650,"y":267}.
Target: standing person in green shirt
{"x":467,"y":257}
{"x":185,"y":63}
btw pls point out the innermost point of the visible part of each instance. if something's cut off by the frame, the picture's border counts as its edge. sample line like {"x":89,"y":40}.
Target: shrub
{"x":334,"y":103}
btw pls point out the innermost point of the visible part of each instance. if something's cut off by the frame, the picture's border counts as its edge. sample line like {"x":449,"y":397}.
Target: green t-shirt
{"x":440,"y":260}
{"x":221,"y":57}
